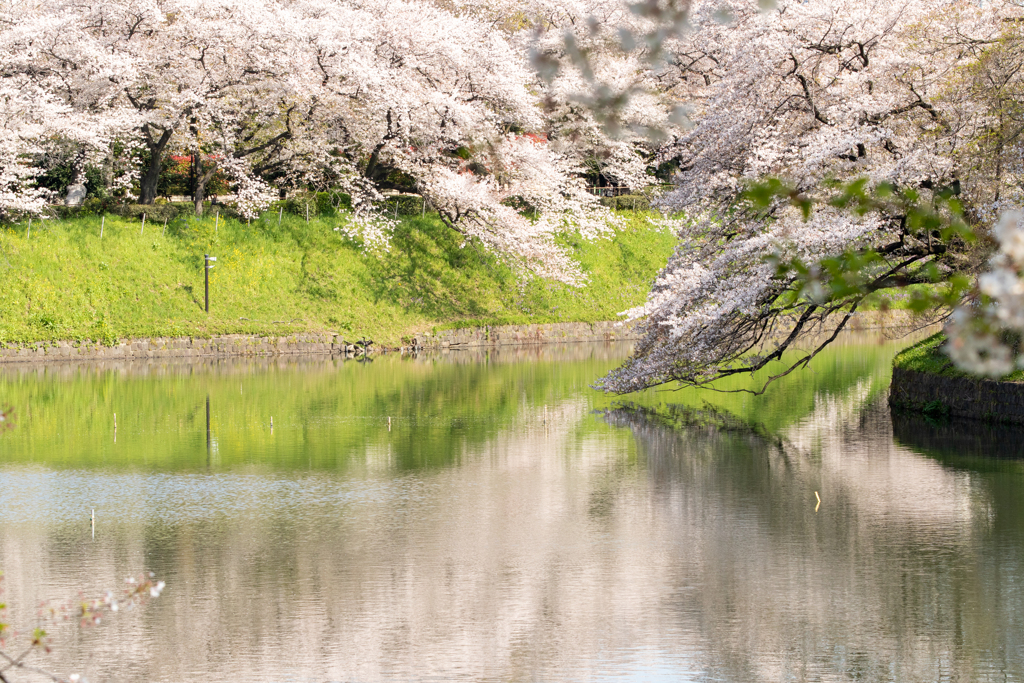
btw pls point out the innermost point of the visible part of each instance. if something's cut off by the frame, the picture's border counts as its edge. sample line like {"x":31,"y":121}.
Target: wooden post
{"x":143,"y":228}
{"x":307,"y":213}
{"x":28,"y":235}
{"x":216,"y":224}
{"x":165,"y":227}
{"x":103,"y":219}
{"x":280,"y":213}
{"x":209,"y":441}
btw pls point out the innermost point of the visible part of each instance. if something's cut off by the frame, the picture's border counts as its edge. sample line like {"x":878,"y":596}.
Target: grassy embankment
{"x":927,"y":356}
{"x":63,"y":281}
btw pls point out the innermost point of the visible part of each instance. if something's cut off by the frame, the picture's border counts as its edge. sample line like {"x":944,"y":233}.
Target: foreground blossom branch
{"x":748,"y":290}
{"x":88,"y":612}
{"x":886,"y":131}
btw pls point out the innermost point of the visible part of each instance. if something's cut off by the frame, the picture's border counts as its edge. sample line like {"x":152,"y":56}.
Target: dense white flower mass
{"x":364,"y":96}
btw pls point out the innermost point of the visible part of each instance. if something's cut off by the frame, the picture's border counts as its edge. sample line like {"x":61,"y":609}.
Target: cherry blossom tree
{"x":220,"y":80}
{"x":421,"y":98}
{"x":985,"y":335}
{"x":367,"y":97}
{"x":58,"y":90}
{"x":846,"y":105}
{"x":223,"y":82}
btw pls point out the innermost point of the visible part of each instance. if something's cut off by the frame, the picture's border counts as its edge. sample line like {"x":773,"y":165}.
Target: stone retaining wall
{"x":176,"y":347}
{"x":978,"y":399}
{"x":307,"y":344}
{"x":515,"y":335}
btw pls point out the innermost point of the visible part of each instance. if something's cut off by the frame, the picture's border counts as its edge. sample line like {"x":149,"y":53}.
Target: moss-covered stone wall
{"x":309,"y":344}
{"x":961,"y":397}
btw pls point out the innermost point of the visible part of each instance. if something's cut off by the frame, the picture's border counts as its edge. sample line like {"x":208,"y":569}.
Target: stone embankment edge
{"x":311,"y":343}
{"x":960,"y":397}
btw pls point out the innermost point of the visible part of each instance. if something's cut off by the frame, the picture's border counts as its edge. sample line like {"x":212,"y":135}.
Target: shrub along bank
{"x":64,"y":280}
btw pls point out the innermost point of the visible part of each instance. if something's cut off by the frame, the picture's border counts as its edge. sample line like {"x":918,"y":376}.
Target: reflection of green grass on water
{"x":834,"y":372}
{"x":332,"y":415}
{"x":329,"y":415}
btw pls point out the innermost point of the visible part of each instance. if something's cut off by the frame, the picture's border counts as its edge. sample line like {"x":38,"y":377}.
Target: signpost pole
{"x":206,"y":273}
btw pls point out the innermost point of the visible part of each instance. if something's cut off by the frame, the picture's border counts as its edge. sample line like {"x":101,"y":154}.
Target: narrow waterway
{"x":490,"y":517}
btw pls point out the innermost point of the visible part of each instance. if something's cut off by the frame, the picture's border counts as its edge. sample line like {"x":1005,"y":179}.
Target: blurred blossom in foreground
{"x":985,"y":335}
{"x":89,"y":613}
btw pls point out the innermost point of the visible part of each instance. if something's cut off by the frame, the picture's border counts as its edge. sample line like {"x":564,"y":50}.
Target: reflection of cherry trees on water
{"x":899,"y":574}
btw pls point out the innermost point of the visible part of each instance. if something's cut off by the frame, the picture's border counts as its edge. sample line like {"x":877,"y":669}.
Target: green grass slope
{"x":63,"y":281}
{"x":927,"y":356}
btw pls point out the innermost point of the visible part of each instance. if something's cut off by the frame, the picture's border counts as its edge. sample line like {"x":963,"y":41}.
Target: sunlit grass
{"x":927,"y":356}
{"x":63,"y":281}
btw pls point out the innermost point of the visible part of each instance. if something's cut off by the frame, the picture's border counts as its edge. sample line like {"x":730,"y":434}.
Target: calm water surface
{"x":511,"y":524}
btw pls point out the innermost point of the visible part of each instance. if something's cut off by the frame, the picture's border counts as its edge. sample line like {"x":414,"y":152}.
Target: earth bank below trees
{"x":108,"y":278}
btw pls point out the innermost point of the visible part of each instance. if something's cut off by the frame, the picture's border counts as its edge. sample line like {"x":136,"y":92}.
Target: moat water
{"x":490,"y":517}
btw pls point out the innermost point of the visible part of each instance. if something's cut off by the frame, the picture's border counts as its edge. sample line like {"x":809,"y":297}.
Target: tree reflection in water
{"x":903,"y":574}
{"x":502,"y":531}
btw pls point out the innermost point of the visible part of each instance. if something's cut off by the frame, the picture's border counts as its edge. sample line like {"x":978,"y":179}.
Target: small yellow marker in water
{"x":819,"y":501}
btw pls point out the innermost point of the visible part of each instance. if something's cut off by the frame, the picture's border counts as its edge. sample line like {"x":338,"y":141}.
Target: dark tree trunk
{"x":198,"y":196}
{"x":147,"y":193}
{"x":202,"y":177}
{"x":372,"y":166}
